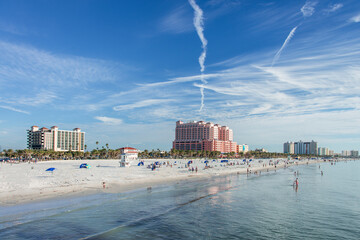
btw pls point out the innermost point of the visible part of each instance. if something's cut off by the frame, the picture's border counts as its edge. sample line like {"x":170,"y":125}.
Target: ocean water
{"x":264,"y":206}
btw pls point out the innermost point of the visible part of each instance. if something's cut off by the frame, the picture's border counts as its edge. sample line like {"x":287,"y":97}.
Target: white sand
{"x":24,"y":182}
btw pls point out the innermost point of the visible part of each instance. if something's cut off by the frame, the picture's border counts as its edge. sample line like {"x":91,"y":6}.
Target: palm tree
{"x":97,"y":143}
{"x":107,"y":151}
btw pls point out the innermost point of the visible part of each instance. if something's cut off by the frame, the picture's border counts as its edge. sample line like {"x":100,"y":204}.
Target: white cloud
{"x":355,"y":19}
{"x":30,"y":66}
{"x":178,"y":80}
{"x":39,"y":99}
{"x":140,"y":104}
{"x":109,"y":120}
{"x":199,"y":25}
{"x":291,"y":34}
{"x":308,"y":9}
{"x":334,"y":7}
{"x":176,"y":21}
{"x":14,"y":109}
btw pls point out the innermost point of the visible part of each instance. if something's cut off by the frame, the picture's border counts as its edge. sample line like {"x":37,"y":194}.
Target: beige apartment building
{"x":55,"y":139}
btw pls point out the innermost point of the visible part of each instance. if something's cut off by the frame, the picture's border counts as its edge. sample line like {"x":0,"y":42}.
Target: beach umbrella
{"x":141,"y":164}
{"x":50,"y":169}
{"x":206,"y":161}
{"x":190,"y":162}
{"x":84,"y":165}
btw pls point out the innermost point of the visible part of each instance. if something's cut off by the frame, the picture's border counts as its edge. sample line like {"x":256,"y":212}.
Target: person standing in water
{"x":296,"y":182}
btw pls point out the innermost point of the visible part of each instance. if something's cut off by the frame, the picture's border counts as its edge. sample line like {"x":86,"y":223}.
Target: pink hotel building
{"x":204,"y":136}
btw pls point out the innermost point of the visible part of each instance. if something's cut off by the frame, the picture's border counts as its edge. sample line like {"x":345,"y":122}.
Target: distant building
{"x":345,"y":153}
{"x":289,"y":147}
{"x":354,"y":153}
{"x":202,"y":136}
{"x":261,"y":150}
{"x":55,"y":139}
{"x":323,"y":151}
{"x":301,"y":148}
{"x":244,"y":148}
{"x":128,"y":154}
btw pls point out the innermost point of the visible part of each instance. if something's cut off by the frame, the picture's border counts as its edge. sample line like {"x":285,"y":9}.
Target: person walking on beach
{"x":196,"y":169}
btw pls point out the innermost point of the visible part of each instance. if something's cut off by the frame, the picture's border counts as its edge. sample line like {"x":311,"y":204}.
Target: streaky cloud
{"x":140,"y":104}
{"x":199,"y":26}
{"x":277,"y":55}
{"x":14,"y":109}
{"x":109,"y":120}
{"x":334,"y":7}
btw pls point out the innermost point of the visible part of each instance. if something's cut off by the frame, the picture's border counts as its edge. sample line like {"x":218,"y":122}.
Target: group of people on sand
{"x":192,"y":169}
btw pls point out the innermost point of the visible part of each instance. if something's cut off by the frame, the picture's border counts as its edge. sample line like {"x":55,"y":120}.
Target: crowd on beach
{"x":61,"y":177}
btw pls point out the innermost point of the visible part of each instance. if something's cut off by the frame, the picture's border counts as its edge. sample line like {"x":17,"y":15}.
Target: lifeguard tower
{"x":128,"y":155}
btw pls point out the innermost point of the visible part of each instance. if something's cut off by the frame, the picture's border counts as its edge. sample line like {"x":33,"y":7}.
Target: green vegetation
{"x":107,"y":153}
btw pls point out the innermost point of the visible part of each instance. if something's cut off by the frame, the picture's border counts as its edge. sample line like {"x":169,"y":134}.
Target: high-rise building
{"x":289,"y":147}
{"x":301,"y":148}
{"x":354,"y":153}
{"x":323,"y":151}
{"x":55,"y":139}
{"x":345,"y":153}
{"x":203,"y":136}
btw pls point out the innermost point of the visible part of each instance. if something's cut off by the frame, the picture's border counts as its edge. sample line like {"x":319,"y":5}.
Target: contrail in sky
{"x":307,"y":10}
{"x":291,"y":34}
{"x":199,"y":26}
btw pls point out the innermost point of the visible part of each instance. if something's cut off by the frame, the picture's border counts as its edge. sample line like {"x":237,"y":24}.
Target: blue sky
{"x":126,"y":71}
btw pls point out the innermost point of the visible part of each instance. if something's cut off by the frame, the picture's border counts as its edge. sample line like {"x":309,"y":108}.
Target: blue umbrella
{"x":244,"y":160}
{"x":141,"y":164}
{"x":190,"y":162}
{"x":50,"y":169}
{"x":84,"y":165}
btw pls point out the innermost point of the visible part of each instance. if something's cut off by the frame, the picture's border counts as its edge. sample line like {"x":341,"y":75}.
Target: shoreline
{"x":124,"y":179}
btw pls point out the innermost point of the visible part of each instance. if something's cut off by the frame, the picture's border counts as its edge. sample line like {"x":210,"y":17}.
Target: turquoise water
{"x":262,"y":206}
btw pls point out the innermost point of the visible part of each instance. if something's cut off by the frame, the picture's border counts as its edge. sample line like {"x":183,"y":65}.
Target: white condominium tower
{"x":55,"y":139}
{"x":301,"y":147}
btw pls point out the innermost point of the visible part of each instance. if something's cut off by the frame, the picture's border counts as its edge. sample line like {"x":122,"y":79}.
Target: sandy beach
{"x":24,"y":182}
